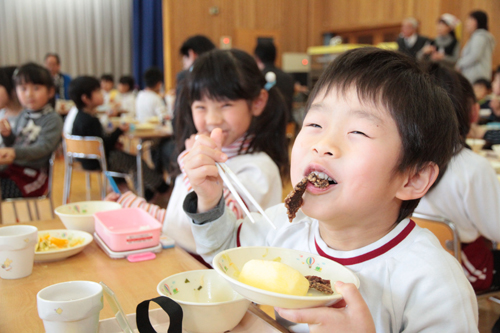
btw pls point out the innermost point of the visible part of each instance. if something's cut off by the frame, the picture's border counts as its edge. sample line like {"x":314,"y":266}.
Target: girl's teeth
{"x":322,"y":175}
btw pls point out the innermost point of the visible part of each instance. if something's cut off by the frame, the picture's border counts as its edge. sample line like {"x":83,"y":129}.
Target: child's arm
{"x":7,"y":156}
{"x":130,"y":200}
{"x":353,"y":317}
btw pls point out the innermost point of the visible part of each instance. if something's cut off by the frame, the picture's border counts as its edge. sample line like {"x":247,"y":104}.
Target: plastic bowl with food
{"x":60,"y":244}
{"x":80,"y":215}
{"x":229,"y":264}
{"x":208,"y":302}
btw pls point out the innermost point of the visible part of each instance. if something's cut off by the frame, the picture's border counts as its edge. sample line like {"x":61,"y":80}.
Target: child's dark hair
{"x":483,"y":82}
{"x":266,"y":51}
{"x":234,"y":75}
{"x":422,"y":111}
{"x":82,"y":85}
{"x":129,"y":81}
{"x":107,"y":77}
{"x":35,"y":74}
{"x":152,"y":76}
{"x":6,"y":79}
{"x":199,"y":44}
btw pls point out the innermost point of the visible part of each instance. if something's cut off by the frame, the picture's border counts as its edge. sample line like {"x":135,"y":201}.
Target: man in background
{"x":61,"y":80}
{"x":191,"y":49}
{"x":409,"y":41}
{"x":265,"y":56}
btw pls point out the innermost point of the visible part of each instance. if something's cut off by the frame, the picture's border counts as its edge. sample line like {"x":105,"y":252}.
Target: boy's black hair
{"x":82,"y":85}
{"x":266,"y":51}
{"x":199,"y":44}
{"x":33,"y":73}
{"x":128,"y":80}
{"x":483,"y":82}
{"x":498,"y":70}
{"x":422,"y":111}
{"x":234,"y":75}
{"x":107,"y":77}
{"x":481,"y":19}
{"x":55,"y":55}
{"x":6,"y":79}
{"x":152,"y":76}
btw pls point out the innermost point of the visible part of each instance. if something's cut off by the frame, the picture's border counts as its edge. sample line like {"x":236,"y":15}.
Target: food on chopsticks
{"x":274,"y":276}
{"x":294,"y":200}
{"x":46,"y":242}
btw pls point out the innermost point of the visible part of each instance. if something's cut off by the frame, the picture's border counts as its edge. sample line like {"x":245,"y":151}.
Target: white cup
{"x":72,"y":306}
{"x":17,"y":250}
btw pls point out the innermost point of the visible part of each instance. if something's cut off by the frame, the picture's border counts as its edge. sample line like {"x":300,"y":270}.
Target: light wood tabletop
{"x":131,"y":282}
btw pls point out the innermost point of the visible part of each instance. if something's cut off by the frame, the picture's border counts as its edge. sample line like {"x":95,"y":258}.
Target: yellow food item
{"x":274,"y":276}
{"x":48,"y":243}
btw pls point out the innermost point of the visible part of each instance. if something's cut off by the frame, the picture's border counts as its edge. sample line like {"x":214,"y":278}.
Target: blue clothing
{"x":62,"y":86}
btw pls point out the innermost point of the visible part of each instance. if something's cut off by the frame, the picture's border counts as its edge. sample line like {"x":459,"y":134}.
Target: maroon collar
{"x":372,"y":254}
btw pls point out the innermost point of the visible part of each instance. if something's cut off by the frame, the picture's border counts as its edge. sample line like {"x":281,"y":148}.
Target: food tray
{"x":124,"y":254}
{"x":251,"y":322}
{"x":127,"y":229}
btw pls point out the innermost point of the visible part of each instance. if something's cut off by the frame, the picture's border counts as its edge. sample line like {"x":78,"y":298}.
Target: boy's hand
{"x":199,"y":165}
{"x":5,"y":128}
{"x":7,"y":156}
{"x":354,"y":317}
{"x":113,"y":196}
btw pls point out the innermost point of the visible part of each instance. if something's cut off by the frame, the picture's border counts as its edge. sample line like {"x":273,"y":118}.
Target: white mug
{"x":71,"y":306}
{"x":17,"y":251}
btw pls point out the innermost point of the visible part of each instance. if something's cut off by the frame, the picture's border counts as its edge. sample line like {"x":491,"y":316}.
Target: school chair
{"x":447,"y":234}
{"x":443,"y":229}
{"x":89,"y":147}
{"x":35,"y":200}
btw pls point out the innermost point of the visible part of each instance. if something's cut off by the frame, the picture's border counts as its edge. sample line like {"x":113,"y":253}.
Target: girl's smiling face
{"x":33,"y":96}
{"x":358,"y":146}
{"x":233,"y":117}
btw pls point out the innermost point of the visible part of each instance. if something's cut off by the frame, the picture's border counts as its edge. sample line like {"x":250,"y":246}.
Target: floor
{"x":489,"y":311}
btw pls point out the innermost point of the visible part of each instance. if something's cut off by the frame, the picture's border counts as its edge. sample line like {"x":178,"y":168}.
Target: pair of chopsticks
{"x":228,"y":177}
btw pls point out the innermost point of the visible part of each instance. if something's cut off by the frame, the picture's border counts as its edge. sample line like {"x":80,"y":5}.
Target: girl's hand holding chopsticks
{"x":199,"y":165}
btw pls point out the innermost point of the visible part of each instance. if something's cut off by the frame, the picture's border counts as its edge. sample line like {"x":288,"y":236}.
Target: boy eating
{"x":379,"y":131}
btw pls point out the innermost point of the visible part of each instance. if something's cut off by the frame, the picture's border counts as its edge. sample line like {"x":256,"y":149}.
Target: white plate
{"x":54,"y":255}
{"x":230,"y":262}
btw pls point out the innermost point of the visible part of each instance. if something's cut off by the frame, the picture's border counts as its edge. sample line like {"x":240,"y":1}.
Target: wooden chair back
{"x":79,"y":145}
{"x":443,"y":229}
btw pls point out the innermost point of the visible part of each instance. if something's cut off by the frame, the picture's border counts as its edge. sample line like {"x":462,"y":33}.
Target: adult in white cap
{"x":409,"y":41}
{"x":445,"y":49}
{"x":475,"y":60}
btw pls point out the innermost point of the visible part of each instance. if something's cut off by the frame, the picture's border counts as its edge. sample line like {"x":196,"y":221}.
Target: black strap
{"x":173,"y":310}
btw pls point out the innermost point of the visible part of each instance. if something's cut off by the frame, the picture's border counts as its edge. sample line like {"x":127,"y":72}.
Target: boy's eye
{"x":313,"y":125}
{"x":358,"y":132}
{"x":227,"y":105}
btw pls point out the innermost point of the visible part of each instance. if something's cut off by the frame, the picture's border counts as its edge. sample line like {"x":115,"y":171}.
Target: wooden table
{"x":141,"y":136}
{"x":132,"y":282}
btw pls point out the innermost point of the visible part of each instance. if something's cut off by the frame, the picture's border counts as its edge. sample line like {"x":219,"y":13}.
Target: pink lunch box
{"x":127,"y":229}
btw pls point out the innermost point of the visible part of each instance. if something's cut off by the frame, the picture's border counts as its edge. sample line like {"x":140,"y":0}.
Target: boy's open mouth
{"x":321,"y":179}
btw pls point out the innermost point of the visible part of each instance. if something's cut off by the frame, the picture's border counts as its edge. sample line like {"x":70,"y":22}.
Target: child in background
{"x":377,"y":147}
{"x":468,"y":194}
{"x":226,"y":90}
{"x":36,"y":134}
{"x":482,"y":91}
{"x":126,"y":98}
{"x":149,"y":103}
{"x":10,"y":108}
{"x":109,"y":92}
{"x":86,"y":94}
{"x":492,"y":137}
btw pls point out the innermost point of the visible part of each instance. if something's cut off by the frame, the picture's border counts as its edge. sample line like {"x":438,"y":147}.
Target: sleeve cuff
{"x":190,"y":207}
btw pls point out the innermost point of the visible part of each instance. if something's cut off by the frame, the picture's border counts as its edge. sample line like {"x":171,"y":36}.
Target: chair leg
{"x":35,"y":202}
{"x":15,"y":212}
{"x":67,"y":183}
{"x":51,"y":207}
{"x":29,"y":210}
{"x":87,"y":180}
{"x":102,"y":185}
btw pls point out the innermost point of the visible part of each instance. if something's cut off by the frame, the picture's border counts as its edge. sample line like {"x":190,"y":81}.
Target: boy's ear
{"x":259,"y":104}
{"x":417,"y":184}
{"x":475,"y":113}
{"x":85,"y":99}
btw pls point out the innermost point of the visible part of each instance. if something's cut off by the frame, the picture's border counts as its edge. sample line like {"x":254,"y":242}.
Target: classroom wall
{"x":302,"y":22}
